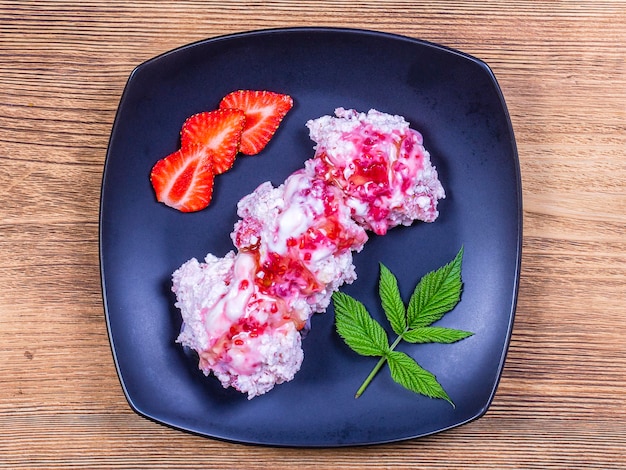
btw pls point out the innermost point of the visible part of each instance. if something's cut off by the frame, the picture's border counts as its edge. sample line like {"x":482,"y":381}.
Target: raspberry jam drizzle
{"x":377,"y":175}
{"x":308,"y":228}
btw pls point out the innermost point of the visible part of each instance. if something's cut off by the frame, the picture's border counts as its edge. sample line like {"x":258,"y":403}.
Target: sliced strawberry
{"x":264,"y":111}
{"x":218,"y":132}
{"x":184,"y":179}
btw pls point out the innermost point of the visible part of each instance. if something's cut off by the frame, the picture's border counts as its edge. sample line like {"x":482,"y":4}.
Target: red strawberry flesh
{"x":218,"y":133}
{"x":184,"y":179}
{"x":264,"y":111}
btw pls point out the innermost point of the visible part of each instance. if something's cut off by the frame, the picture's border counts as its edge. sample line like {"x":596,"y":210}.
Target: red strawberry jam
{"x":380,"y":165}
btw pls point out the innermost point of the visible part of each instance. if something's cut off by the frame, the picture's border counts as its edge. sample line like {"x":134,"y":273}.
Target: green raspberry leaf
{"x":437,"y":293}
{"x":359,"y":330}
{"x":432,"y":334}
{"x":409,"y":374}
{"x":391,"y":300}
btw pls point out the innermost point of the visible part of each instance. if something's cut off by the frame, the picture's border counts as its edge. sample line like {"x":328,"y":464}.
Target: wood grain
{"x":561,"y":402}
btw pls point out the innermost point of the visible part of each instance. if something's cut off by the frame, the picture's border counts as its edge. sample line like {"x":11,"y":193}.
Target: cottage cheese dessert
{"x":245,"y":337}
{"x":381,"y":166}
{"x":303,"y":237}
{"x":244,"y":313}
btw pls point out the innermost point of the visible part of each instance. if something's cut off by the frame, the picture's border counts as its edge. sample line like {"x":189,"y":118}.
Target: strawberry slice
{"x":264,"y":110}
{"x":218,"y":133}
{"x":184,"y":179}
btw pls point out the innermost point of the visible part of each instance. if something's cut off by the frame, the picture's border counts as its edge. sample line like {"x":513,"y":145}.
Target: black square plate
{"x":451,"y":98}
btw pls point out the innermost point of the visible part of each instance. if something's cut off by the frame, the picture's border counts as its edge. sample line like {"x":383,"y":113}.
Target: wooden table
{"x":561,"y":402}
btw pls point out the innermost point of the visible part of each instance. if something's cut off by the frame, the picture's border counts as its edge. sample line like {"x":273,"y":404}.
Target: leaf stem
{"x":369,"y":378}
{"x":377,"y":367}
{"x":397,"y":341}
